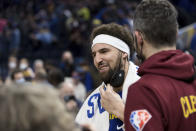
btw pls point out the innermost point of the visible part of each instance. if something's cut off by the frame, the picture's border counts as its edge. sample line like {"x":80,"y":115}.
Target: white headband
{"x":113,"y":41}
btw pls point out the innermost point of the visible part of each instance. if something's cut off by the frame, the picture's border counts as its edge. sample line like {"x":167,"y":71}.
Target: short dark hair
{"x":55,"y":77}
{"x":157,"y":21}
{"x":115,"y":30}
{"x":14,"y":72}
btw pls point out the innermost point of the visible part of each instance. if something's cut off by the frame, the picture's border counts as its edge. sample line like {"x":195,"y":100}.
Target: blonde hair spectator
{"x":33,"y":109}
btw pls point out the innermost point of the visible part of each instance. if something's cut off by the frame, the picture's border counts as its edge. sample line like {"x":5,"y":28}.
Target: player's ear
{"x":139,"y":37}
{"x":124,"y":55}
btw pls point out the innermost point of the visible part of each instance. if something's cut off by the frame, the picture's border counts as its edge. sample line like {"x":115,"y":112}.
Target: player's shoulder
{"x":148,"y":82}
{"x":94,"y":92}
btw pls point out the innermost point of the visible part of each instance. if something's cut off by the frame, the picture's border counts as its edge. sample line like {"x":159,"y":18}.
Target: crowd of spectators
{"x":43,"y":29}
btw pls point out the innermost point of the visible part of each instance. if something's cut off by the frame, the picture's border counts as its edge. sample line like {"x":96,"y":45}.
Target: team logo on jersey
{"x":139,"y":118}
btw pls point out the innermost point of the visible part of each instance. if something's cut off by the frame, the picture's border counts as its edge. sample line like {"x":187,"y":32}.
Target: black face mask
{"x":139,"y":55}
{"x":117,"y":78}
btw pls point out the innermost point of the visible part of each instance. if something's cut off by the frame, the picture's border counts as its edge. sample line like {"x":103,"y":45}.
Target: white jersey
{"x":92,"y":112}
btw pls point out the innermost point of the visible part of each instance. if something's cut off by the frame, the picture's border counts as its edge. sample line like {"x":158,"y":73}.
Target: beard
{"x":106,"y":78}
{"x":114,"y":76}
{"x":111,"y":73}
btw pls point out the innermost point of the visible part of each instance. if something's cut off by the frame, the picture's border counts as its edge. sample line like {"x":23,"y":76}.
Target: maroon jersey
{"x":164,"y":99}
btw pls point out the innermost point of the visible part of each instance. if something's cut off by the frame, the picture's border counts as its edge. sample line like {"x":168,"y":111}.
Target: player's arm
{"x":143,"y":110}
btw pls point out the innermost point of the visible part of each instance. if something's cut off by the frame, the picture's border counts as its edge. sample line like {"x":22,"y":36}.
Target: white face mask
{"x":21,"y":80}
{"x":23,"y":66}
{"x":12,"y":65}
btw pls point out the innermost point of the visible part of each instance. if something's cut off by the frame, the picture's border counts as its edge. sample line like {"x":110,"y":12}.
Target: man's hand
{"x":112,"y":102}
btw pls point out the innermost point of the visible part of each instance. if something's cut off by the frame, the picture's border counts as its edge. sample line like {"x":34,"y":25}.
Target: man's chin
{"x":104,"y":78}
{"x":106,"y":75}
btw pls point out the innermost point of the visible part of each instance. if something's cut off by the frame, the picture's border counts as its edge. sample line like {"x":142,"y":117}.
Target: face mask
{"x":12,"y":65}
{"x":23,"y":66}
{"x":117,"y":79}
{"x":21,"y":80}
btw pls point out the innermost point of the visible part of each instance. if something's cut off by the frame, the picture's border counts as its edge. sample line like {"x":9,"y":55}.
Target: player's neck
{"x":150,"y":50}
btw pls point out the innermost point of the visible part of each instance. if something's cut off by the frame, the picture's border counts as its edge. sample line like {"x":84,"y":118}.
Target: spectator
{"x":55,"y":77}
{"x":86,"y":76}
{"x":27,"y":70}
{"x":33,"y":109}
{"x":12,"y":65}
{"x":67,"y":94}
{"x":41,"y":78}
{"x":67,"y":63}
{"x":38,"y":65}
{"x":17,"y":76}
{"x":79,"y":88}
{"x":23,"y":64}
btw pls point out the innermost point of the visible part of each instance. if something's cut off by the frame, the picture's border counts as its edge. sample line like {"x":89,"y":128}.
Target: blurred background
{"x":47,"y":41}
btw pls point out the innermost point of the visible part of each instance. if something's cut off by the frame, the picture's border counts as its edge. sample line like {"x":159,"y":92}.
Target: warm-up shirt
{"x":164,"y":99}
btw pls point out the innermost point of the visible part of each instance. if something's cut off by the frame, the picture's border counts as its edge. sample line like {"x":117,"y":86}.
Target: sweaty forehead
{"x":100,"y":46}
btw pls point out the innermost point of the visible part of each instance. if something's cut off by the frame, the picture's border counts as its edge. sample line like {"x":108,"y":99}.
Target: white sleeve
{"x":92,"y":113}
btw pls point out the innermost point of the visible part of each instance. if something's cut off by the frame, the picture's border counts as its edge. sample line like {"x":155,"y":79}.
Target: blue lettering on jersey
{"x":90,"y":113}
